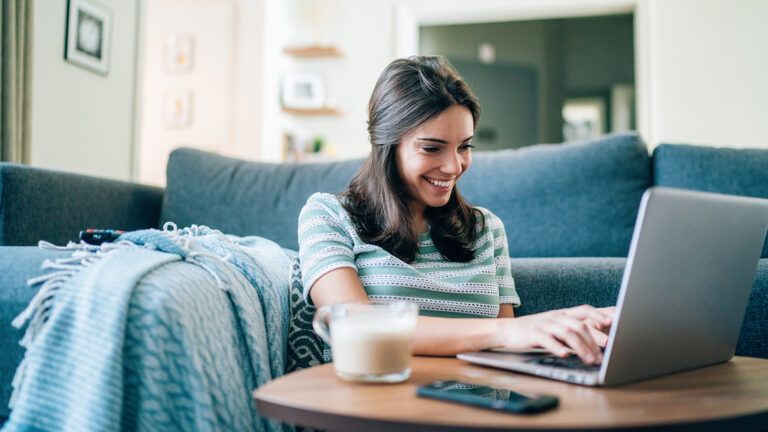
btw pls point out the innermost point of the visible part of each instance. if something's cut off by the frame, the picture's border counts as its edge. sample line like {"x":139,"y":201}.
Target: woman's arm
{"x":561,"y":332}
{"x":506,"y":311}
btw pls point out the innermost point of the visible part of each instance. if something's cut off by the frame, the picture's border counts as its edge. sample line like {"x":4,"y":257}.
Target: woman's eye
{"x":466,"y":147}
{"x":430,"y":149}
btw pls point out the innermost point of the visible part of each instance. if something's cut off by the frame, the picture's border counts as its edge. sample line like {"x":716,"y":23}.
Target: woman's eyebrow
{"x":442,"y":141}
{"x":435,"y":140}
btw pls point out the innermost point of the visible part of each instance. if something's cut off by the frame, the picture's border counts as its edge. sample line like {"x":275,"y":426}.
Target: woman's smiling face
{"x":431,"y":158}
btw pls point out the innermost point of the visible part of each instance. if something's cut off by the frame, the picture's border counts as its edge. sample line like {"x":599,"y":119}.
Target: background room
{"x":289,"y":80}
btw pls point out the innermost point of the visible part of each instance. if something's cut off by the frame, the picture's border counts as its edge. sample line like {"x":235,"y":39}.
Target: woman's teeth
{"x":439,"y":183}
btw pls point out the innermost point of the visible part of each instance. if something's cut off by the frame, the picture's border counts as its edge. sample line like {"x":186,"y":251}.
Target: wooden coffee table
{"x":732,"y":396}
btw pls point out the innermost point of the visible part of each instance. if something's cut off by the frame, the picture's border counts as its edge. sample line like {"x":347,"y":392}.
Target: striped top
{"x":328,"y":240}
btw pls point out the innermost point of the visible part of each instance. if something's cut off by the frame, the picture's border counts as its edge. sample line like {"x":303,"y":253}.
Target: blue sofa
{"x":569,"y":212}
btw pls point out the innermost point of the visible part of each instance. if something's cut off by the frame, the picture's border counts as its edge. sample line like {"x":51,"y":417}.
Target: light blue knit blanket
{"x":162,"y":330}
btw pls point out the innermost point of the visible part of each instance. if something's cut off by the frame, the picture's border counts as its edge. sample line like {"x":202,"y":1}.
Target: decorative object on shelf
{"x":312,"y":21}
{"x":300,"y":146}
{"x":177,"y":109}
{"x":584,"y":117}
{"x":179,"y":53}
{"x":303,"y":91}
{"x":324,"y":111}
{"x":88,"y":30}
{"x":312,"y":51}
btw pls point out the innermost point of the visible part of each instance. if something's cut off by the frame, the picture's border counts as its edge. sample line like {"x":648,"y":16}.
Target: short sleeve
{"x":325,"y":242}
{"x":507,"y":291}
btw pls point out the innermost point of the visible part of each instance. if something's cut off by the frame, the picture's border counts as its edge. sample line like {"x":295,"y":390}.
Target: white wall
{"x":81,"y":121}
{"x":249,"y":53}
{"x":209,"y":81}
{"x":364,"y":32}
{"x":710,"y":62}
{"x":236,"y":51}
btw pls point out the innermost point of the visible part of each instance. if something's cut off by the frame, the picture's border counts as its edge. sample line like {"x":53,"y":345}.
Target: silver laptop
{"x":686,"y":284}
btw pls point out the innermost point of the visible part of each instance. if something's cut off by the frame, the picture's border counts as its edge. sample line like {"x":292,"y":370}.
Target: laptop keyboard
{"x":570,"y":362}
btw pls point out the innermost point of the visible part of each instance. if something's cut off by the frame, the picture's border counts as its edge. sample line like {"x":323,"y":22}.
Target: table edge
{"x":329,"y":421}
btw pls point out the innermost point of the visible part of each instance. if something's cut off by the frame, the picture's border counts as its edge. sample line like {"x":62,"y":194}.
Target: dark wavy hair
{"x":408,"y":93}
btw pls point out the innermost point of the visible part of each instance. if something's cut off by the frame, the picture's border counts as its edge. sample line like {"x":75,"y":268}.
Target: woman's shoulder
{"x":325,"y":203}
{"x":487,"y":214}
{"x":490,"y":220}
{"x":323,"y":198}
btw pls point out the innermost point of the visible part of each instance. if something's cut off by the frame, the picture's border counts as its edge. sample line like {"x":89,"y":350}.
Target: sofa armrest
{"x":39,"y":204}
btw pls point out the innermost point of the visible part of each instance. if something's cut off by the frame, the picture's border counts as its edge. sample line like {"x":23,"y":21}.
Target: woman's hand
{"x":600,"y":328}
{"x":579,"y":330}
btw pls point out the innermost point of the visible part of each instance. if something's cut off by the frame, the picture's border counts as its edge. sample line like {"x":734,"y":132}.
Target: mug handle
{"x":321,"y":324}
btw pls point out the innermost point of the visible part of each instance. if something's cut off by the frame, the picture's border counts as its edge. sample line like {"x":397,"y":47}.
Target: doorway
{"x":548,"y":80}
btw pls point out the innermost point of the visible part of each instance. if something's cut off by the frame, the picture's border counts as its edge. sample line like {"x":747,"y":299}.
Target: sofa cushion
{"x":305,"y":348}
{"x":753,"y":339}
{"x":246,"y":198}
{"x":720,"y":170}
{"x":564,"y":200}
{"x":554,"y":283}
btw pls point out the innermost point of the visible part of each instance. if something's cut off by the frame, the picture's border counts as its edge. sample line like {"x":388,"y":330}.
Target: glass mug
{"x":369,"y":343}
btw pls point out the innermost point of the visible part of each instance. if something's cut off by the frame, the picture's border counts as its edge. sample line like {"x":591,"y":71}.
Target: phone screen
{"x":477,"y":390}
{"x":487,"y":396}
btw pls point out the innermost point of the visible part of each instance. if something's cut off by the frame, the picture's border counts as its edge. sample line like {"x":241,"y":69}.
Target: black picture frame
{"x":87,"y":38}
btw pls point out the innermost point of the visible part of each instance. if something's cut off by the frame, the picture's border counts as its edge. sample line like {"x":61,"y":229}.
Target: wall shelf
{"x":310,"y":51}
{"x":325,"y":111}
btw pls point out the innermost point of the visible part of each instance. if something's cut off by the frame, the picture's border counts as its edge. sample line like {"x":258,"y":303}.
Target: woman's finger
{"x":575,"y":335}
{"x":610,"y":312}
{"x":597,"y":326}
{"x":584,"y":332}
{"x":584,"y":312}
{"x":600,"y":338}
{"x":553,"y":345}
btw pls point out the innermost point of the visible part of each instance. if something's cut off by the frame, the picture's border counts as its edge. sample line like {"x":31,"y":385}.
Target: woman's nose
{"x":452,"y":164}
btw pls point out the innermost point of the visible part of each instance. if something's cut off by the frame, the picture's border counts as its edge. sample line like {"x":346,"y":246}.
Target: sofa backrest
{"x":720,"y":170}
{"x":555,"y":200}
{"x":41,"y":204}
{"x":564,"y":200}
{"x":246,"y":198}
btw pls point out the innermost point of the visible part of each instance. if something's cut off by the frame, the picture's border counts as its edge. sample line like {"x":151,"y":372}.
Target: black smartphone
{"x":487,"y":397}
{"x":96,"y":237}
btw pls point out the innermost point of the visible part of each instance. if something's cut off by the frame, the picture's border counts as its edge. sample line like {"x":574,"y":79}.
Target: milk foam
{"x":372,"y":345}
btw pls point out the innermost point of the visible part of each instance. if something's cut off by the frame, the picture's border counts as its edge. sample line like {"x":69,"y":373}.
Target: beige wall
{"x":208,"y":81}
{"x":81,"y":121}
{"x":364,"y":31}
{"x":711,"y":69}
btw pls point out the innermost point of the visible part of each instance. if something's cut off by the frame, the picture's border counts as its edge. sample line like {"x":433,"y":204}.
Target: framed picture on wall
{"x":87,"y":37}
{"x":177,"y":109}
{"x":179,"y":53}
{"x":302,"y":90}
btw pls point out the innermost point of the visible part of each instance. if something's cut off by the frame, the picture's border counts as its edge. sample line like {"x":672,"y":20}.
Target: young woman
{"x":402,"y":231}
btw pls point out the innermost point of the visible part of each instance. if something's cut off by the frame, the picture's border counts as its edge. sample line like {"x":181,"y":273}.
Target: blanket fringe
{"x":36,"y":314}
{"x":84,"y":255}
